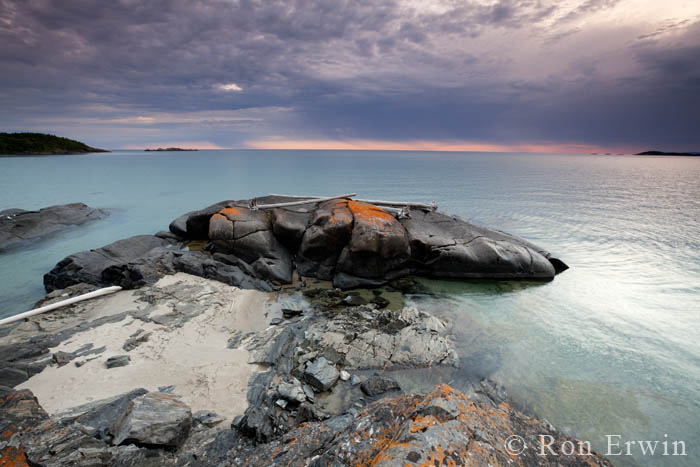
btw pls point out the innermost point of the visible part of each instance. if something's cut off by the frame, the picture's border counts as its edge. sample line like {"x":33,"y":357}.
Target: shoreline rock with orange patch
{"x":356,"y":244}
{"x":378,"y":248}
{"x":443,"y":428}
{"x":19,"y":412}
{"x":329,"y":231}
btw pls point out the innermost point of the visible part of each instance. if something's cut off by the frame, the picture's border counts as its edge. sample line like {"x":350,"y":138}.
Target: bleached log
{"x":396,"y":204}
{"x":62,"y":303}
{"x":298,"y":203}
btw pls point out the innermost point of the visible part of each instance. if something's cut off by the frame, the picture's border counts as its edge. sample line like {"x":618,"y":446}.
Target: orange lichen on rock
{"x":230,"y":212}
{"x":370,"y":214}
{"x":12,"y":457}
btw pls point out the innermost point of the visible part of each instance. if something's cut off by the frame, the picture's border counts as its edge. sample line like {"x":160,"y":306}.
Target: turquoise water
{"x":611,"y":346}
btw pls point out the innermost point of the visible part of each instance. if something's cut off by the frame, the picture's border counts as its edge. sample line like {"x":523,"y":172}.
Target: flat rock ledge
{"x":18,"y":227}
{"x":351,"y":243}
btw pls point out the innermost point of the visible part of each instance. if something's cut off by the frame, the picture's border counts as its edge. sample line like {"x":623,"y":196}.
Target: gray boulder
{"x":321,"y":374}
{"x":378,"y":244}
{"x":137,"y":261}
{"x":87,"y":266}
{"x":292,"y":391}
{"x":154,"y":419}
{"x":197,"y":223}
{"x":18,"y":226}
{"x":99,"y":417}
{"x":329,"y":232}
{"x":289,"y":227}
{"x":249,"y":236}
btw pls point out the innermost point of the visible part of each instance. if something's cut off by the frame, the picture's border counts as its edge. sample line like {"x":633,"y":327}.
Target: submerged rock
{"x":154,"y":419}
{"x":378,"y":384}
{"x":18,"y":226}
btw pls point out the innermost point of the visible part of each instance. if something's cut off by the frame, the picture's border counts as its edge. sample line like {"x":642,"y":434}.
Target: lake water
{"x":610,"y":347}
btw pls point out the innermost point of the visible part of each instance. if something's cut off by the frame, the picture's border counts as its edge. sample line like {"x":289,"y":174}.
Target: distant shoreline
{"x":41,"y":144}
{"x":663,"y":153}
{"x":168,"y":149}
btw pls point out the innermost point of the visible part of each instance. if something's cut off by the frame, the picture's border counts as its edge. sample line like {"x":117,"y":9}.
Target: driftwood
{"x":309,"y":200}
{"x":53,"y":306}
{"x":395,"y":204}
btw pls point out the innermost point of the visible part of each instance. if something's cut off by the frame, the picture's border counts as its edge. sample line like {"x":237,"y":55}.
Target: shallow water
{"x":609,"y":347}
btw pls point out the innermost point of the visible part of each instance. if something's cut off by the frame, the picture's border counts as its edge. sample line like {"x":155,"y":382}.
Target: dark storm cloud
{"x":362,"y":69}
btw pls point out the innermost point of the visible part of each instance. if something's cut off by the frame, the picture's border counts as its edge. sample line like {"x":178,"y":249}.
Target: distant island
{"x":32,"y":144}
{"x":169,"y":149}
{"x":663,"y":153}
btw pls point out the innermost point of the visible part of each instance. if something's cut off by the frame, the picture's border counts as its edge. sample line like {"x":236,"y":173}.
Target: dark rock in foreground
{"x":442,"y":428}
{"x":154,"y":419}
{"x":18,"y":226}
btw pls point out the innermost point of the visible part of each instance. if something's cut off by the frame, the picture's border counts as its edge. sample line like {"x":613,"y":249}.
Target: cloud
{"x":500,"y":71}
{"x":229,"y":87}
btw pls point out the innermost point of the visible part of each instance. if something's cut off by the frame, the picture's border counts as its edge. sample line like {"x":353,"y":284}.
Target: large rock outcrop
{"x":356,"y":244}
{"x":352,"y":243}
{"x":18,"y":226}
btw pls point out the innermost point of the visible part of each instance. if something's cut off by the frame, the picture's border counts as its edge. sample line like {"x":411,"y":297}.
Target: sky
{"x":573,"y":76}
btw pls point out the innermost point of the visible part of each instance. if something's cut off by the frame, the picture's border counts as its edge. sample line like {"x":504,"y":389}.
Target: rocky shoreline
{"x":247,"y":343}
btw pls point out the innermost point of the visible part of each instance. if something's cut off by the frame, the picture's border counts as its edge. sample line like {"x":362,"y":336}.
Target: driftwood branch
{"x":53,"y":306}
{"x":394,"y":204}
{"x":307,"y":200}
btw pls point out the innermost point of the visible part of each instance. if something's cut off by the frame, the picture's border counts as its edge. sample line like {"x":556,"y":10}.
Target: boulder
{"x":197,"y":223}
{"x":248,"y":235}
{"x":329,"y":232}
{"x":18,"y":226}
{"x":154,"y":419}
{"x":137,"y":261}
{"x":378,"y":244}
{"x":289,"y":227}
{"x":292,"y":391}
{"x":321,"y":374}
{"x":99,"y":417}
{"x":87,"y":266}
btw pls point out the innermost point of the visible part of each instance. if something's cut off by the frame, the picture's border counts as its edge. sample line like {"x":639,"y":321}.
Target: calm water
{"x":609,"y":347}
